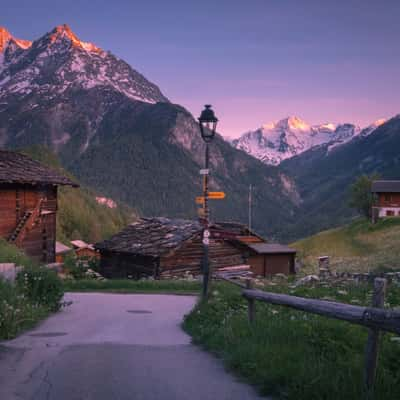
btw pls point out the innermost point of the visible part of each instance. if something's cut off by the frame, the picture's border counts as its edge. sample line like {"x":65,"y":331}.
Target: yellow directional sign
{"x":211,"y":196}
{"x":216,"y":195}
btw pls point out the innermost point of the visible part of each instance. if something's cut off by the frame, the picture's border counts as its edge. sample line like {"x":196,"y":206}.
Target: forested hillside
{"x":79,"y":214}
{"x":323,"y":178}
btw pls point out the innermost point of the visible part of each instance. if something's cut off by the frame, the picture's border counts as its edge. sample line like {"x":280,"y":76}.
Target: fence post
{"x":371,"y":351}
{"x":251,"y":302}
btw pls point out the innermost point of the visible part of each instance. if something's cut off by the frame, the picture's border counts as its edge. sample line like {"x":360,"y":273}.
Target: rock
{"x":307,"y":279}
{"x":280,"y":277}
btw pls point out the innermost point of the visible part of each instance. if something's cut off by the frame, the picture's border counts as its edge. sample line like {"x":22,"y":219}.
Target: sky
{"x":255,"y":61}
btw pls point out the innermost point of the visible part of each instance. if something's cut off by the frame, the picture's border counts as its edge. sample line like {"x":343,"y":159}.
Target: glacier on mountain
{"x":278,"y":141}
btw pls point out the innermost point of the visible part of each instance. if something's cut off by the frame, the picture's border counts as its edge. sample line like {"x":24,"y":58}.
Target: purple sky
{"x":255,"y":61}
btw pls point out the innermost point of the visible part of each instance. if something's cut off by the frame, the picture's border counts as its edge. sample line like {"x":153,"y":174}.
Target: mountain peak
{"x":293,"y":122}
{"x":5,"y":37}
{"x":64,"y":31}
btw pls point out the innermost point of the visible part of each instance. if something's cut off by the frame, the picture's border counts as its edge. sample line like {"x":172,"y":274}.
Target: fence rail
{"x":375,"y":318}
{"x":371,"y":317}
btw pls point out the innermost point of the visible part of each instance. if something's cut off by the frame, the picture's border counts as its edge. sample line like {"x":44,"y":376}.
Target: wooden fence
{"x":376,"y":318}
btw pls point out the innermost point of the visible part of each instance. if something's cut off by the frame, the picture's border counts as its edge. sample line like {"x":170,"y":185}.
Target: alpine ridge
{"x":120,"y":135}
{"x":281,"y":140}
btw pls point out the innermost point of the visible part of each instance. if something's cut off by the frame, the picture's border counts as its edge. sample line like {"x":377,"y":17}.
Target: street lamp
{"x":208,"y":124}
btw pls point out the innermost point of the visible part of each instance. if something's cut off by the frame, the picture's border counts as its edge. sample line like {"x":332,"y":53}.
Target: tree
{"x":361,"y":197}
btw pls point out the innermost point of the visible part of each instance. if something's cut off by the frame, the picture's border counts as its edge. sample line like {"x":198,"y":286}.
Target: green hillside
{"x":79,"y":214}
{"x":323,"y":178}
{"x":358,"y":247}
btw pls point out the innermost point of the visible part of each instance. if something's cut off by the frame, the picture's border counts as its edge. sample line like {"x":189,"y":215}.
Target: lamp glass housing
{"x":208,"y":123}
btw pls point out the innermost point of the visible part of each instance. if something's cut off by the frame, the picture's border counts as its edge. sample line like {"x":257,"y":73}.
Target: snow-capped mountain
{"x":117,"y":133}
{"x":59,"y":61}
{"x":277,"y":141}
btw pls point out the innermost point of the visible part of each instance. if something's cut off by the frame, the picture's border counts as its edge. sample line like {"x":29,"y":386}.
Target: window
{"x":389,"y":213}
{"x":388,"y":197}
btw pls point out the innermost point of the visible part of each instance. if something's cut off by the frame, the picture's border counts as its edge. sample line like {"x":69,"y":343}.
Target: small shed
{"x":84,"y":250}
{"x":162,"y":247}
{"x":28,"y":204}
{"x":61,"y":251}
{"x":266,"y":259}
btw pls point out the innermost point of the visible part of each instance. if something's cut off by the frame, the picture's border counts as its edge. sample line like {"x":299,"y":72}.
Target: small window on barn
{"x":387,"y":197}
{"x":389,"y":213}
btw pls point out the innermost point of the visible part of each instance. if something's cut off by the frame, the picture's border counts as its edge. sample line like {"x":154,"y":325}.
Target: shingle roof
{"x":19,"y":168}
{"x":151,"y":236}
{"x":270,"y":248}
{"x":385,"y":187}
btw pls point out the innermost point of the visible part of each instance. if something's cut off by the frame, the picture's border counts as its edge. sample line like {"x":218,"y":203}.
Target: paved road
{"x":112,"y":346}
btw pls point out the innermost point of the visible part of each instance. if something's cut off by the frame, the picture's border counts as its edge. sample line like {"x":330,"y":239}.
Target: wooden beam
{"x":371,"y":317}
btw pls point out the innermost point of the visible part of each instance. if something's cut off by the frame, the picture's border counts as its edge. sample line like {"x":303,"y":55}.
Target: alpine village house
{"x":28,"y":204}
{"x":163,"y":247}
{"x":387,"y":201}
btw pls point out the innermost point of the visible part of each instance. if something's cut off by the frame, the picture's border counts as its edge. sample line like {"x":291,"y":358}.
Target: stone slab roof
{"x":151,"y":236}
{"x":19,"y":168}
{"x":385,"y":187}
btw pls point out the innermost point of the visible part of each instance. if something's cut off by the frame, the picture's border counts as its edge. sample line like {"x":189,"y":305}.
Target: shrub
{"x":16,"y":311}
{"x":76,"y":267}
{"x":41,"y":286}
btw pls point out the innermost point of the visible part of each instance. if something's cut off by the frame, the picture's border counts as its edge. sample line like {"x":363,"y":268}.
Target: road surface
{"x":115,"y":346}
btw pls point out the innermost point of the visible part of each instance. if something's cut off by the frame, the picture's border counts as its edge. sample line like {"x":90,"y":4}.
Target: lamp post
{"x":208,"y":124}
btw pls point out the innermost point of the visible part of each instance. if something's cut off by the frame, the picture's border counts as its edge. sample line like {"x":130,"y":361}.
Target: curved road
{"x":115,"y":346}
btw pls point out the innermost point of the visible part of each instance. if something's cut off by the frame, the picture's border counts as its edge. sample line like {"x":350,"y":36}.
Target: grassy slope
{"x":291,"y":354}
{"x":79,"y":215}
{"x":360,"y":246}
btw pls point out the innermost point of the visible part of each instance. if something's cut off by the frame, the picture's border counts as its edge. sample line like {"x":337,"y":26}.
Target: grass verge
{"x":291,"y":354}
{"x":131,"y":286}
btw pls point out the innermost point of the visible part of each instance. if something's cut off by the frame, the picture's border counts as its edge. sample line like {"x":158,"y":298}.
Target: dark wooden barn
{"x":162,"y":247}
{"x":28,"y":204}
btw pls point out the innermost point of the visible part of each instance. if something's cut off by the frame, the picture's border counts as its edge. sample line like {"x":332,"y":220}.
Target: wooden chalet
{"x":162,"y":247}
{"x":387,"y":202}
{"x":28,"y":204}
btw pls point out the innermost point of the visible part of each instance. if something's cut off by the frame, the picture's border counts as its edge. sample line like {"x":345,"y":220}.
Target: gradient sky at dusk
{"x":256,"y":61}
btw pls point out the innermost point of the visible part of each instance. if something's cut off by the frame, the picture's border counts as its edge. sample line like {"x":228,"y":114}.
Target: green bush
{"x":75,"y":266}
{"x":41,"y":286}
{"x":16,"y":311}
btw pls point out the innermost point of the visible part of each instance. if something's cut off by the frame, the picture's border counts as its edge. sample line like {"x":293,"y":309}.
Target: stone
{"x":307,"y":279}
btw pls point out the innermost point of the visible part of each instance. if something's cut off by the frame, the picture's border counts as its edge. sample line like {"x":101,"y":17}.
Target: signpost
{"x":216,"y":195}
{"x":211,"y":196}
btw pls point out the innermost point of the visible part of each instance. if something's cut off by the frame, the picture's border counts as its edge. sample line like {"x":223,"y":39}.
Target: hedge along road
{"x":115,"y":346}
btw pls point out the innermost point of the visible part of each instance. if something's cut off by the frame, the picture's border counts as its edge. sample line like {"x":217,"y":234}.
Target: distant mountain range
{"x":278,"y":141}
{"x":120,"y":135}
